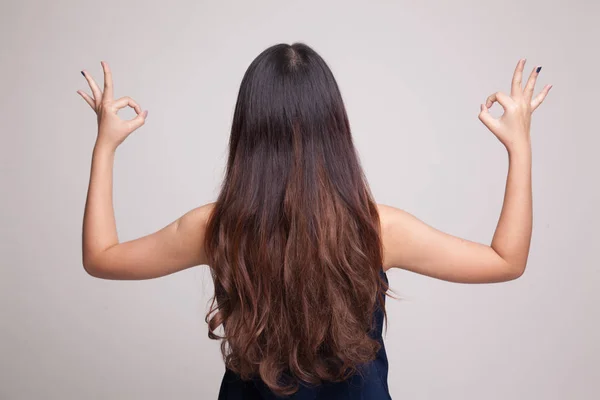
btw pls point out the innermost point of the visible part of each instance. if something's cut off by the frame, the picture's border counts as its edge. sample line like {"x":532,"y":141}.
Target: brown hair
{"x":293,"y":241}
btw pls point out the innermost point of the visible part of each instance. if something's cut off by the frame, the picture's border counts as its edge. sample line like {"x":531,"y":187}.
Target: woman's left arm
{"x":173,"y":248}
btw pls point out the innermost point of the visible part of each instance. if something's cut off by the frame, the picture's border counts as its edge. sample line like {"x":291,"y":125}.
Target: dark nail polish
{"x":82,"y":73}
{"x":538,"y":70}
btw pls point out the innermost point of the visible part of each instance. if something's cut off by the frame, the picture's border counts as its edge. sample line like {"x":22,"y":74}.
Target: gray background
{"x":412,"y":74}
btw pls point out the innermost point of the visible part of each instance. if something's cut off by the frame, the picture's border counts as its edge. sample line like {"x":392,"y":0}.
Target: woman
{"x":297,"y":247}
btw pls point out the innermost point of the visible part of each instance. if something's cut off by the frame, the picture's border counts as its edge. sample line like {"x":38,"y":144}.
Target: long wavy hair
{"x":293,"y":241}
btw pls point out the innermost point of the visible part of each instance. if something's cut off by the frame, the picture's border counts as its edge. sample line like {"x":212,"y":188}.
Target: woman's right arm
{"x":413,"y":245}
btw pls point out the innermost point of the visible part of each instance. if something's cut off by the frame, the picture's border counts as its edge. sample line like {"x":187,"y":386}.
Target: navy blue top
{"x":371,"y":385}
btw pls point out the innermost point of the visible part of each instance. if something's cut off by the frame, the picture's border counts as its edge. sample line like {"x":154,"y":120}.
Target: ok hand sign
{"x":112,"y":130}
{"x":513,"y":126}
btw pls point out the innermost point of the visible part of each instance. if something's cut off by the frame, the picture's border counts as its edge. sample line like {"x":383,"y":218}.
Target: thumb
{"x":138,"y":121}
{"x":486,"y":118}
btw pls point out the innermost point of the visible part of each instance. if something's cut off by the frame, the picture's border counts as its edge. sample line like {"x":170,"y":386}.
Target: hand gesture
{"x":112,"y":130}
{"x":514,"y":124}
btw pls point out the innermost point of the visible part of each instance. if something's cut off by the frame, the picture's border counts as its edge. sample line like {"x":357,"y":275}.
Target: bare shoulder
{"x":192,"y":225}
{"x":392,"y":220}
{"x":191,"y":230}
{"x":388,"y":213}
{"x":205,"y":211}
{"x":197,"y":217}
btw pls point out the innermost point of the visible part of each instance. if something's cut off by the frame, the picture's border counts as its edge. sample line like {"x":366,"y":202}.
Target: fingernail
{"x":82,"y":73}
{"x":538,"y":70}
{"x":146,"y":114}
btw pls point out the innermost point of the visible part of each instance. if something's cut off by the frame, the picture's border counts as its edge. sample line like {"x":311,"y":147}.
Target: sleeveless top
{"x":371,"y":385}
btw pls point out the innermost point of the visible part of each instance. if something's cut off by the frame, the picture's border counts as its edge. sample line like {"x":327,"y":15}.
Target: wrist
{"x":520,"y":155}
{"x":520,"y":146}
{"x":104,"y":147}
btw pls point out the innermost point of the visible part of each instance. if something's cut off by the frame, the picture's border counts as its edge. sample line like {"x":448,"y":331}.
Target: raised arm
{"x":415,"y":246}
{"x":177,"y":246}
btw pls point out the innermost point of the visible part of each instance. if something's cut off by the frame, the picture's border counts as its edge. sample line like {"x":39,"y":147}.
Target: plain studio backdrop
{"x":412,"y":75}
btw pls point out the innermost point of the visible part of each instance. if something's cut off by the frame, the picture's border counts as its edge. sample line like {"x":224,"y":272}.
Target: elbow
{"x":510,"y":269}
{"x":515,"y":272}
{"x":93,"y":268}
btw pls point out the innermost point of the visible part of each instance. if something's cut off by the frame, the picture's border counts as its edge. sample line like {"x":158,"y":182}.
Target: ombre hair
{"x":293,"y":241}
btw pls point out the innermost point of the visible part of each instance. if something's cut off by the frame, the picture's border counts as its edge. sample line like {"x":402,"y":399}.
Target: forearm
{"x":512,"y":237}
{"x":99,"y":226}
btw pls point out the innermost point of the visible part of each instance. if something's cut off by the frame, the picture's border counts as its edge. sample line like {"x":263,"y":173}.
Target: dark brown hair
{"x":293,"y":241}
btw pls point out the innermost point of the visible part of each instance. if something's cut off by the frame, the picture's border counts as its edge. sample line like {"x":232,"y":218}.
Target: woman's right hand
{"x":512,"y":128}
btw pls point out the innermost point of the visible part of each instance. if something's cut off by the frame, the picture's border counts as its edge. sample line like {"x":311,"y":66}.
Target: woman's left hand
{"x":112,"y":130}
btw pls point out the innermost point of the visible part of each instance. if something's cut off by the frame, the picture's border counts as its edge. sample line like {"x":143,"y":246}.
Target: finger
{"x":535,"y":103}
{"x":486,"y":117}
{"x":528,"y":92}
{"x":138,"y":121}
{"x":108,"y":83}
{"x":88,"y":99}
{"x":500,"y":97}
{"x":127,"y":101}
{"x":96,"y":92}
{"x":516,"y":89}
